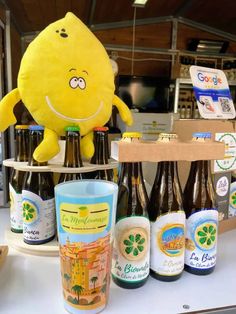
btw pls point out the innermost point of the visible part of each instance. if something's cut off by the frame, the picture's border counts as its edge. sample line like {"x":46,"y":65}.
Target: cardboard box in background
{"x":149,"y":124}
{"x":222,"y":188}
{"x":185,"y":129}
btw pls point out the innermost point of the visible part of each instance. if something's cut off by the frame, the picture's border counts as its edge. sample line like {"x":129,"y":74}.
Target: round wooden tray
{"x":58,"y":168}
{"x":15,"y":240}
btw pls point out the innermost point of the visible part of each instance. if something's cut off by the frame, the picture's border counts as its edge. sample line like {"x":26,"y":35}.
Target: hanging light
{"x":139,"y":3}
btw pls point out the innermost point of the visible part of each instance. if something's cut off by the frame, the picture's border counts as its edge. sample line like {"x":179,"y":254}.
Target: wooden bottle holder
{"x":153,"y":151}
{"x":15,"y":240}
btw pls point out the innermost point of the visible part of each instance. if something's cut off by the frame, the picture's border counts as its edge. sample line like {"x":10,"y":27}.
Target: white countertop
{"x":31,"y":284}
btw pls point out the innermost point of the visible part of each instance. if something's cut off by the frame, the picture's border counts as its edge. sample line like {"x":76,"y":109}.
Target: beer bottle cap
{"x":101,"y":129}
{"x":21,"y":127}
{"x":202,"y":135}
{"x":36,"y":128}
{"x":132,"y":135}
{"x":72,"y":128}
{"x":166,"y":137}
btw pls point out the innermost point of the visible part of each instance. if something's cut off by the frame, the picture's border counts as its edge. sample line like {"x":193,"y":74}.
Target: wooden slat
{"x":143,"y":68}
{"x":62,"y":7}
{"x":222,"y":18}
{"x":185,"y":33}
{"x":152,"y":36}
{"x":81,"y":9}
{"x":122,"y":10}
{"x":20,"y":14}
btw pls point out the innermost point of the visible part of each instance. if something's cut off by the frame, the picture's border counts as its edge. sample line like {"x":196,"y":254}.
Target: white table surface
{"x":31,"y":284}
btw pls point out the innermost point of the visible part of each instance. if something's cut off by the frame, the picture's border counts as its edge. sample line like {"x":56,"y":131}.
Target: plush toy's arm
{"x":124,"y":111}
{"x":7,"y":104}
{"x":48,"y":148}
{"x":87,"y":146}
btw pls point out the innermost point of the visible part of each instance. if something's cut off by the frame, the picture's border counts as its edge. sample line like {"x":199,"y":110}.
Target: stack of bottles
{"x":170,"y":232}
{"x":32,"y":193}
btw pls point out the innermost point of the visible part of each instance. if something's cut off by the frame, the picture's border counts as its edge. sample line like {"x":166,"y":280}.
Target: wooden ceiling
{"x":34,"y":15}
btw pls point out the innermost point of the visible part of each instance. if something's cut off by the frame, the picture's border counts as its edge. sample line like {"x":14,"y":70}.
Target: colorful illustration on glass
{"x":171,"y":239}
{"x":85,"y":270}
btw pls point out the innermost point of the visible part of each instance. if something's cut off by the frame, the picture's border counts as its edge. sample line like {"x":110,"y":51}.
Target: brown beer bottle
{"x":202,"y":216}
{"x":17,"y":176}
{"x":72,"y":154}
{"x":101,"y":154}
{"x":39,"y":219}
{"x":167,"y":219}
{"x":131,"y":251}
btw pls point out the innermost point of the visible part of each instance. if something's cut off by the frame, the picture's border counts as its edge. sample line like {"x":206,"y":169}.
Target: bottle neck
{"x":199,"y":191}
{"x":36,"y":138}
{"x":166,"y":194}
{"x":167,"y":170}
{"x":72,"y":154}
{"x":101,"y":154}
{"x":200,"y":170}
{"x":22,"y":142}
{"x":131,"y":172}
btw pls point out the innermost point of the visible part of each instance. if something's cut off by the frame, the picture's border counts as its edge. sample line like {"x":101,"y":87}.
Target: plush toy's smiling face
{"x":66,"y":77}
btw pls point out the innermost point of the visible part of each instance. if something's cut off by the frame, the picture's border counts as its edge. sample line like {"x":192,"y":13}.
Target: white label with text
{"x":131,"y":249}
{"x":39,"y":218}
{"x":201,"y":239}
{"x":167,"y":244}
{"x":16,"y":209}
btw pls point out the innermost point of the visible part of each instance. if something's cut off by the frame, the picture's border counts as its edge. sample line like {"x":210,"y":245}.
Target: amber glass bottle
{"x":72,"y":154}
{"x":16,"y":178}
{"x":130,"y":263}
{"x":202,"y":216}
{"x":101,"y":154}
{"x":39,"y":223}
{"x":167,"y":218}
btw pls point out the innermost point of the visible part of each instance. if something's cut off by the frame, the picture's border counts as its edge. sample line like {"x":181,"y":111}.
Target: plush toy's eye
{"x":81,"y":83}
{"x":73,"y":82}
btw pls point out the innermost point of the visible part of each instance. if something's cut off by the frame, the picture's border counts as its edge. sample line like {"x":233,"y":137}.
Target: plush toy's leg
{"x":7,"y":104}
{"x":48,"y":148}
{"x":124,"y":111}
{"x":87,"y":146}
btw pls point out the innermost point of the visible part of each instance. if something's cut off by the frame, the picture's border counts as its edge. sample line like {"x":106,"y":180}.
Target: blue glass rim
{"x":59,"y":189}
{"x":36,"y":128}
{"x":202,"y":134}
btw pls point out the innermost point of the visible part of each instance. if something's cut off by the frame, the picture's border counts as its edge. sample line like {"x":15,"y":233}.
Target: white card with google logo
{"x":212,"y":93}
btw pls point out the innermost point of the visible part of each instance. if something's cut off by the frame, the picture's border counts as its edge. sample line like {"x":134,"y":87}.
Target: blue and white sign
{"x":212,"y":93}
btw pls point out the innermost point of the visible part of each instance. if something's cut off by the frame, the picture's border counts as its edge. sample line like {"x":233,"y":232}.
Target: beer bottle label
{"x":232,"y":200}
{"x":16,"y":209}
{"x":201,"y":239}
{"x":167,"y":244}
{"x":39,"y":218}
{"x":131,"y":249}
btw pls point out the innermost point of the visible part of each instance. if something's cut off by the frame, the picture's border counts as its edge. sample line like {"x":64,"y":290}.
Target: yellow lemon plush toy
{"x":65,"y":78}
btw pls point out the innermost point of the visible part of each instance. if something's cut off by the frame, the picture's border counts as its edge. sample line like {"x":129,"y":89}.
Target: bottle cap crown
{"x":36,"y":128}
{"x":72,"y":128}
{"x":132,"y":135}
{"x":21,"y":127}
{"x":167,"y":137}
{"x":202,"y":134}
{"x":101,"y":128}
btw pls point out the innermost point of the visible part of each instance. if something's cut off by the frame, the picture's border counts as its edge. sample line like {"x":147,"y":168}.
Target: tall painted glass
{"x":86,"y":212}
